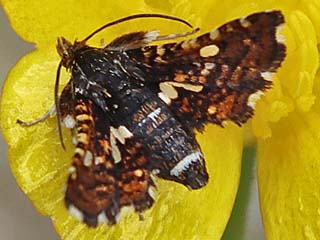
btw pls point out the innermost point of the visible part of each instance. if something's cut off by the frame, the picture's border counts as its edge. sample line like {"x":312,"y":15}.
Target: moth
{"x":133,"y":108}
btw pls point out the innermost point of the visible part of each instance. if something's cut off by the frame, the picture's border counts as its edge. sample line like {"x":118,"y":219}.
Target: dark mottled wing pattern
{"x":124,"y":134}
{"x":217,"y":76}
{"x":100,"y":184}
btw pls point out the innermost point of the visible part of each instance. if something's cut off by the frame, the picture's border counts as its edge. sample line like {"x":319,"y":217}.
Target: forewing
{"x":217,"y":76}
{"x":107,"y":172}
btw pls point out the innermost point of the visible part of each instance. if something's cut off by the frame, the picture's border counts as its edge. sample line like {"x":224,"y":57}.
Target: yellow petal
{"x":43,"y":21}
{"x":35,"y":161}
{"x":288,"y":173}
{"x":311,"y":9}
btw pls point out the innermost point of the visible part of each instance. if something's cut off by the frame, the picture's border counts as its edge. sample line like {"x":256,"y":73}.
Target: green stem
{"x":236,"y":225}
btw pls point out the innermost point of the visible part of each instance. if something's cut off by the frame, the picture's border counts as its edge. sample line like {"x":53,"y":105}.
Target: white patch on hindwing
{"x":75,"y":212}
{"x":121,"y":134}
{"x":102,"y":218}
{"x":253,"y":98}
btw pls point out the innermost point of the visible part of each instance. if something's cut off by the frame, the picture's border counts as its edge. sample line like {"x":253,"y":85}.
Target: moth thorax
{"x":66,"y":51}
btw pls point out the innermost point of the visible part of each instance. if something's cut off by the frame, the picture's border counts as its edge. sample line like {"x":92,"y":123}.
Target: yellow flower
{"x":286,"y":123}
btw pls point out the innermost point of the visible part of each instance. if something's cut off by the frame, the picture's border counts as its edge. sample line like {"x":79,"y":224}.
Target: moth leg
{"x":140,"y":39}
{"x":50,"y":113}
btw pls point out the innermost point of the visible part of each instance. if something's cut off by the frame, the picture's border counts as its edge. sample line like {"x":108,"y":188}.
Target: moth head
{"x":66,"y":51}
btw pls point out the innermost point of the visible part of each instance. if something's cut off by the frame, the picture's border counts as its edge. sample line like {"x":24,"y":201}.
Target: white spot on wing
{"x":161,"y":50}
{"x":209,"y":65}
{"x":74,"y":141}
{"x":98,"y":160}
{"x":214,"y":34}
{"x":244,"y":22}
{"x":189,"y":43}
{"x":187,"y":86}
{"x":102,"y":218}
{"x":224,"y":123}
{"x":164,"y":98}
{"x":279,"y":37}
{"x":212,"y":109}
{"x":209,"y":51}
{"x":79,"y":151}
{"x":72,"y":169}
{"x":153,"y":178}
{"x":185,"y":163}
{"x":88,"y":159}
{"x":75,"y":212}
{"x":253,"y":98}
{"x":155,"y":171}
{"x":196,"y":64}
{"x":229,"y":28}
{"x":83,"y":138}
{"x":152,"y":192}
{"x":168,"y":90}
{"x":117,"y":135}
{"x":124,"y":132}
{"x":205,"y":72}
{"x":114,"y":149}
{"x":267,"y":76}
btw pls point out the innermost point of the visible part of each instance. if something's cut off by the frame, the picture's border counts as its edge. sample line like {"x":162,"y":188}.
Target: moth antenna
{"x":57,"y":103}
{"x":143,"y":15}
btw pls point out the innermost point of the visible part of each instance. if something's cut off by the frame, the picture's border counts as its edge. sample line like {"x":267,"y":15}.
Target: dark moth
{"x":134,"y":108}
